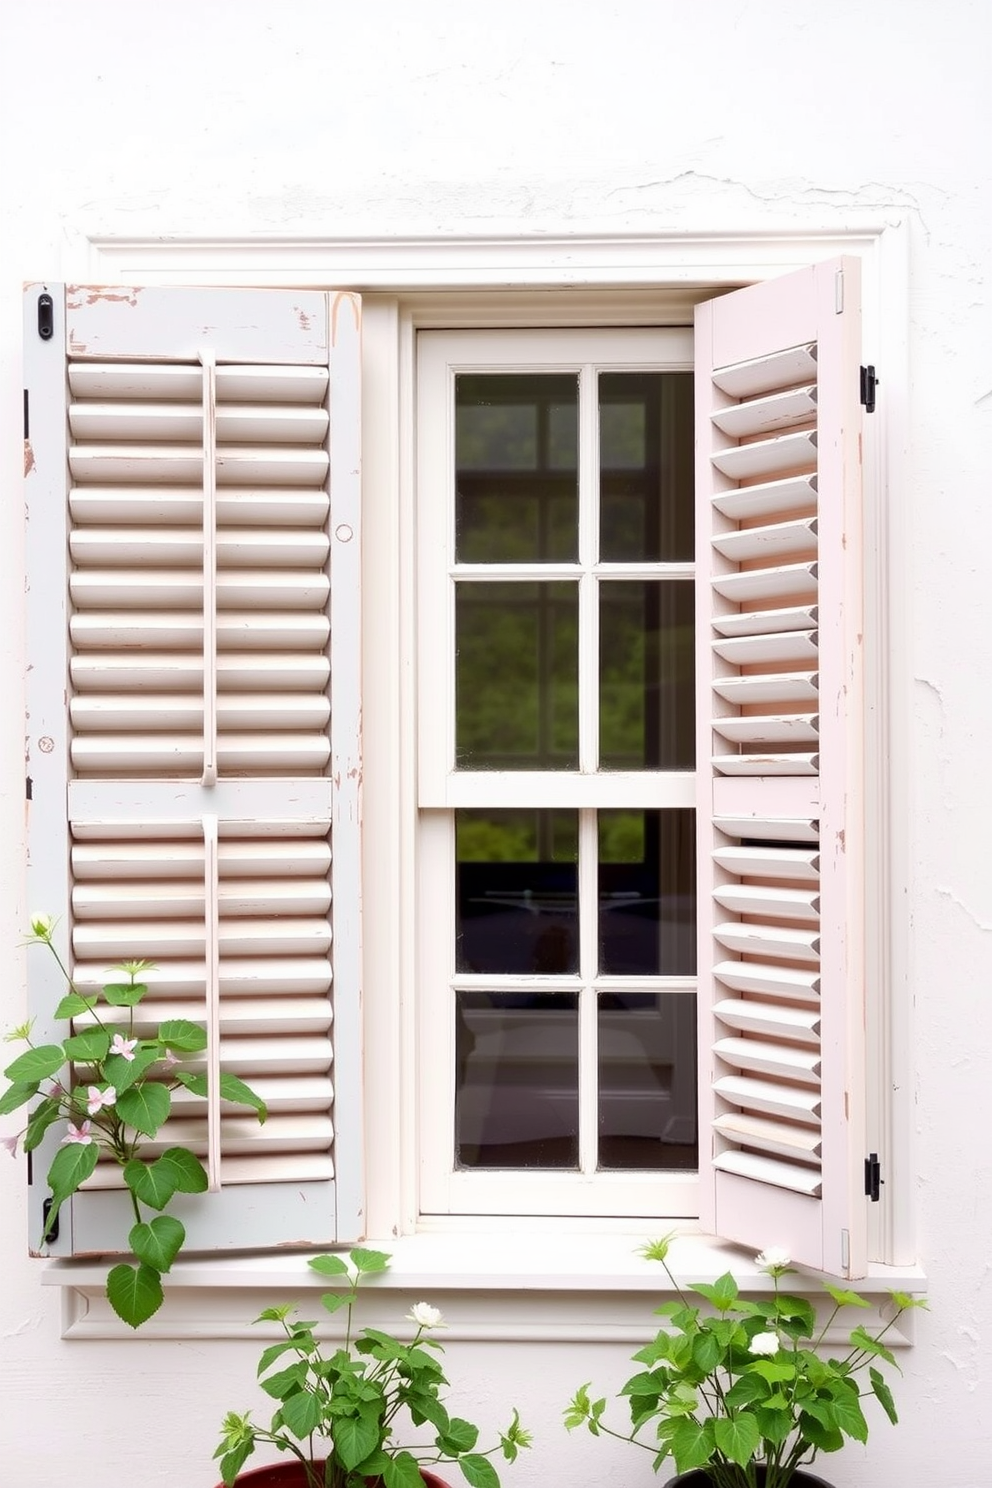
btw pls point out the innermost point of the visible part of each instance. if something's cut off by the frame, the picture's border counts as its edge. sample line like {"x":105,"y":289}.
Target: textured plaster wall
{"x":236,"y":117}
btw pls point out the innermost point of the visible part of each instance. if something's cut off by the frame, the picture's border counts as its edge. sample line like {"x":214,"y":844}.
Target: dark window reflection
{"x":646,"y":467}
{"x":646,"y":675}
{"x":647,"y":893}
{"x":517,"y":892}
{"x":516,"y":676}
{"x":647,"y":1080}
{"x":517,"y":1090}
{"x":516,"y":464}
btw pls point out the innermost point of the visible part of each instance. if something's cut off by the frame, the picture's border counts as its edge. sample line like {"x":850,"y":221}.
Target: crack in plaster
{"x":875,"y":195}
{"x":954,"y":899}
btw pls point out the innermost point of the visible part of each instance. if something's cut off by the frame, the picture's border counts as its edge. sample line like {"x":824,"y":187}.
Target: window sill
{"x":519,"y":1286}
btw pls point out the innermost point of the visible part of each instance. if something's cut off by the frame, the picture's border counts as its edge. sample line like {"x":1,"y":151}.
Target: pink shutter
{"x":194,"y":728}
{"x":780,"y":717}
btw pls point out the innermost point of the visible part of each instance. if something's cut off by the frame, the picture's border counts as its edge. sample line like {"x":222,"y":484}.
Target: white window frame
{"x":580,"y":279}
{"x":444,"y":1191}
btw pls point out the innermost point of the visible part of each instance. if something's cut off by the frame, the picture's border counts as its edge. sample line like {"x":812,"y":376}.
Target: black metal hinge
{"x":46,"y":317}
{"x":873,"y":1177}
{"x":868,"y":384}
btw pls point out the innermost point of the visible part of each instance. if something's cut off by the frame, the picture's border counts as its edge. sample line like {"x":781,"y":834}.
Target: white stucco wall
{"x":225,"y":117}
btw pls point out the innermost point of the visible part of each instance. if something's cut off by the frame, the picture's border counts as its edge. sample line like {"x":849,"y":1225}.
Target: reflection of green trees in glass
{"x":522,"y":836}
{"x":646,"y":469}
{"x":516,"y":676}
{"x":517,"y":502}
{"x":516,"y":462}
{"x":646,"y":670}
{"x":621,"y":836}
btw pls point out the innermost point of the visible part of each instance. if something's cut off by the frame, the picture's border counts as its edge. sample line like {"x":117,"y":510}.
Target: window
{"x":557,"y":879}
{"x":599,"y":797}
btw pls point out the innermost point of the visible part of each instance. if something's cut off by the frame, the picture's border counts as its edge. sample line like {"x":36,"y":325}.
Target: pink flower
{"x":169,"y":1059}
{"x":97,"y":1098}
{"x":79,"y":1134}
{"x":125,"y":1047}
{"x":9,"y":1144}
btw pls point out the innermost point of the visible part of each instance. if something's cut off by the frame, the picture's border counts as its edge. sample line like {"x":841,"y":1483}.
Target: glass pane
{"x":646,"y":672}
{"x":647,"y":1080}
{"x":646,"y":467}
{"x":516,"y":676}
{"x":516,"y":468}
{"x":647,"y":893}
{"x":518,"y":885}
{"x":517,"y":1080}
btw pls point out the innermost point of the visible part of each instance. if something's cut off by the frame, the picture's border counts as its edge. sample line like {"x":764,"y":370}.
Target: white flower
{"x":774,"y":1260}
{"x":765,"y":1343}
{"x":425,"y":1316}
{"x":42,"y":926}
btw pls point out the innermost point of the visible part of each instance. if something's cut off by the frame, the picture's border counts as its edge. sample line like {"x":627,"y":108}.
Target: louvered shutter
{"x":779,"y":766}
{"x":193,"y":739}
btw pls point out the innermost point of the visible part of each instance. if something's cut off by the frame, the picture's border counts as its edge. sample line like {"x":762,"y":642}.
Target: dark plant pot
{"x":292,"y":1474}
{"x":699,"y":1479}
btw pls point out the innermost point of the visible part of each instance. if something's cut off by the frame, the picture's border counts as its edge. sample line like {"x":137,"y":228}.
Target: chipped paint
{"x":77,"y":296}
{"x":355,"y":306}
{"x":29,"y":464}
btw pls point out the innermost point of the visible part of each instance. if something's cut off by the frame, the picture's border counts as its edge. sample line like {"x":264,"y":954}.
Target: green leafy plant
{"x":338,"y":1409}
{"x":114,"y":1090}
{"x":742,"y":1387}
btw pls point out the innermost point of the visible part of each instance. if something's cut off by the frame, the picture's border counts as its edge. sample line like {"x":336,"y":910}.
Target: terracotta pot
{"x":292,"y":1474}
{"x":698,"y":1479}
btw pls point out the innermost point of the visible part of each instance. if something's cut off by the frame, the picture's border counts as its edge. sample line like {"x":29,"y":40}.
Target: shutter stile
{"x":779,"y":632}
{"x":212,"y":521}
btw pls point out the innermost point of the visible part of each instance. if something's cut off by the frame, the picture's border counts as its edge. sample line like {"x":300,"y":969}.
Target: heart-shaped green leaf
{"x":149,"y":1183}
{"x":122,"y":1073}
{"x":135,"y":1293}
{"x":183,"y":1036}
{"x":145,"y":1107}
{"x":124,"y":994}
{"x":184,"y":1170}
{"x":159,"y":1242}
{"x":88,"y":1047}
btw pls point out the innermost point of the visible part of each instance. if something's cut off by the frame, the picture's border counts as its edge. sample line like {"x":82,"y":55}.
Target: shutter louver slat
{"x":777,"y":649}
{"x":791,"y":497}
{"x":780,"y":540}
{"x":757,"y":729}
{"x":758,"y":415}
{"x":153,"y":376}
{"x":766,"y":622}
{"x":789,"y":983}
{"x":768,"y":457}
{"x":756,"y":585}
{"x":182,"y":506}
{"x":778,"y":544}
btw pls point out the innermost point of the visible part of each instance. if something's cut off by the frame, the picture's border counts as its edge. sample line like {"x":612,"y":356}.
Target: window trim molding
{"x":587,"y":278}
